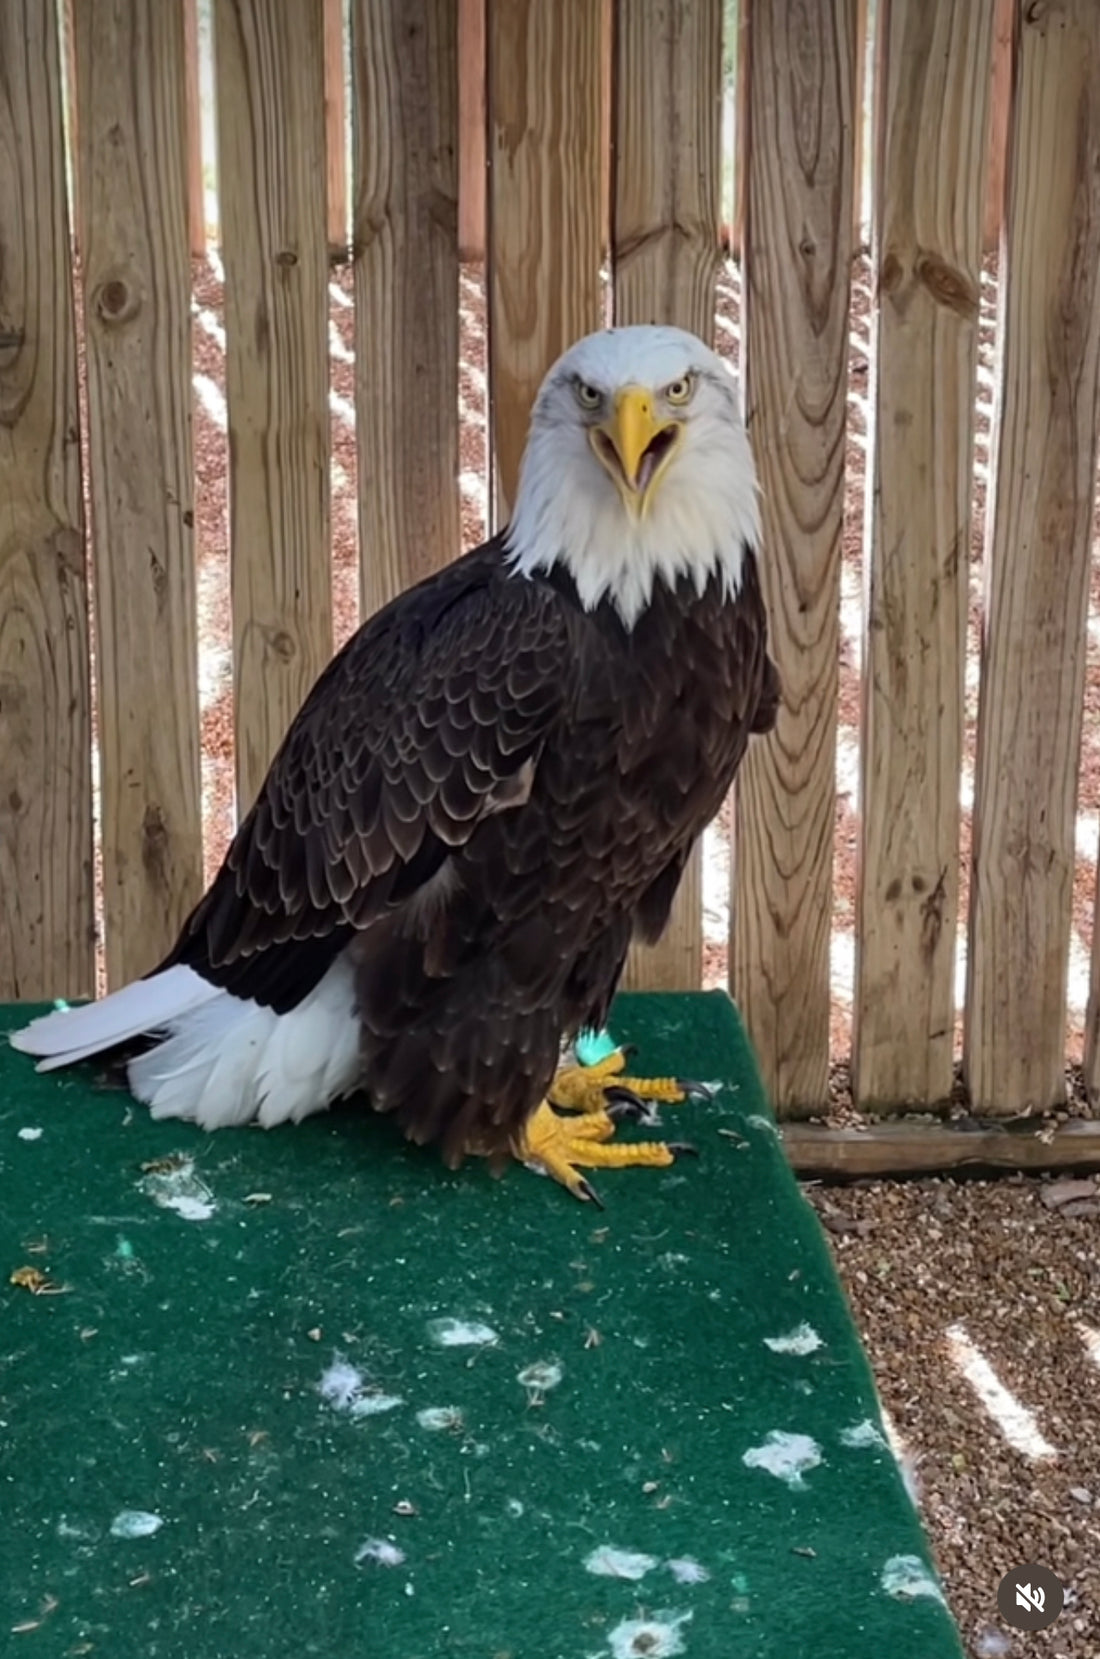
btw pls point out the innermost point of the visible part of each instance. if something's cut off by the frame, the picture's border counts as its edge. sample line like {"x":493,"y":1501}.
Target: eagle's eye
{"x":589,"y":397}
{"x":678,"y":392}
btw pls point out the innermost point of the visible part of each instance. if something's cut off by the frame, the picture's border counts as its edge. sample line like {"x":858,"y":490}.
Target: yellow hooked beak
{"x":634,"y":445}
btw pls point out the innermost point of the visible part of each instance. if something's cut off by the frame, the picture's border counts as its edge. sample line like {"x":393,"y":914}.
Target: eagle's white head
{"x":637,"y":467}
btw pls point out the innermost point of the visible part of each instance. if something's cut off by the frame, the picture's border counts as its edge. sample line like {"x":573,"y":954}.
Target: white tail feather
{"x":146,"y":1005}
{"x":232,"y":1061}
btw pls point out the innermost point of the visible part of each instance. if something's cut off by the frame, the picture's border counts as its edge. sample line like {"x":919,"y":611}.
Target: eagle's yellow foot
{"x":562,"y":1146}
{"x":605,"y":1087}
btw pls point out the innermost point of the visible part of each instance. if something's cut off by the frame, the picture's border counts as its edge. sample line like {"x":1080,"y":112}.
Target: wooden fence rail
{"x":930,"y":130}
{"x":576,"y":154}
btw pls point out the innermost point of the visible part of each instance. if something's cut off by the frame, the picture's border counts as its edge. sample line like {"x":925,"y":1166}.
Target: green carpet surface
{"x":306,"y":1392}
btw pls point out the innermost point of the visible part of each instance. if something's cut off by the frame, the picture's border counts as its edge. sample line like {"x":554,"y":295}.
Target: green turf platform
{"x":312,"y":1394}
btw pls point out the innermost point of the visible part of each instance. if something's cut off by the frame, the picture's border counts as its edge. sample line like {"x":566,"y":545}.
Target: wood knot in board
{"x":932,"y":915}
{"x":159,"y":573}
{"x":116,"y":300}
{"x":370,"y":223}
{"x":889,"y":277}
{"x":154,"y":842}
{"x":11,"y":338}
{"x":67,"y":547}
{"x":931,"y":907}
{"x":13,"y":697}
{"x":442,"y":211}
{"x":283,"y":645}
{"x":947,"y":285}
{"x":287,"y":258}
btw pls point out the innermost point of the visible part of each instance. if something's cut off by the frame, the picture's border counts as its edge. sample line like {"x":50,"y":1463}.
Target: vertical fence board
{"x":46,"y":920}
{"x":271,"y":150}
{"x":798,"y":249}
{"x":667,"y":138}
{"x":196,"y":188}
{"x":405,"y":58}
{"x":666,"y":249}
{"x":605,"y":141}
{"x":130,"y":73}
{"x":1004,"y":23}
{"x":1037,"y":564}
{"x":861,"y":130}
{"x":471,"y":129}
{"x":741,"y":128}
{"x":931,"y":117}
{"x":68,"y":76}
{"x":544,"y":206}
{"x":336,"y":118}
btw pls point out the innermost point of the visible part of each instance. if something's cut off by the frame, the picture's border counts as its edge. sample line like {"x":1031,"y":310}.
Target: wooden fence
{"x":579,"y":128}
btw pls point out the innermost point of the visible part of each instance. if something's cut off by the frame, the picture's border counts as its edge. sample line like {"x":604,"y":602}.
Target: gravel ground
{"x":939,"y":1272}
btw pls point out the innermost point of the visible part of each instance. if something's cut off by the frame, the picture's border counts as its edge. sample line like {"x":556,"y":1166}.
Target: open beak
{"x":633,"y":445}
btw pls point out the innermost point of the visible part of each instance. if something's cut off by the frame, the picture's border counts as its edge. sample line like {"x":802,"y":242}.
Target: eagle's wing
{"x":433,"y":716}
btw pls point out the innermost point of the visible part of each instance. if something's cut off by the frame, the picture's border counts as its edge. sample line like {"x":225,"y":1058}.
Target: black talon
{"x":589,"y":1193}
{"x":695,"y":1091}
{"x":623,"y":1103}
{"x":682,"y":1149}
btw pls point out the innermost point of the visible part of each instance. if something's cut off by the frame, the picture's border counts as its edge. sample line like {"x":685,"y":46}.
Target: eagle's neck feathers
{"x":704,"y":514}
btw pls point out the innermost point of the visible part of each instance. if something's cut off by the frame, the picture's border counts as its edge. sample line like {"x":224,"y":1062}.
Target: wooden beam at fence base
{"x":405,"y":67}
{"x":931,"y":115}
{"x":544,"y":207}
{"x":47,"y":929}
{"x":918,"y":1148}
{"x":132,"y":122}
{"x":271,"y":156}
{"x":665,"y":254}
{"x":1044,"y":450}
{"x":1091,"y":1066}
{"x":797,"y":258}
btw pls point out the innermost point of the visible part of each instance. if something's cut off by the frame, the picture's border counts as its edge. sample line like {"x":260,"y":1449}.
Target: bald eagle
{"x":490,"y":791}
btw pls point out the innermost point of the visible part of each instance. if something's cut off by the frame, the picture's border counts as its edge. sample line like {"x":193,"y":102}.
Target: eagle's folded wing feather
{"x":430,"y":719}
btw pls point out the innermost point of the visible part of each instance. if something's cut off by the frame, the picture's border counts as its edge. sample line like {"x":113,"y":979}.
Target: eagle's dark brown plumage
{"x":542,"y":770}
{"x":489,"y":792}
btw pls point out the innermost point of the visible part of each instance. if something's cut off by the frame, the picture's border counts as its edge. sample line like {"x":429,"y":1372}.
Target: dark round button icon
{"x":1030,"y":1597}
